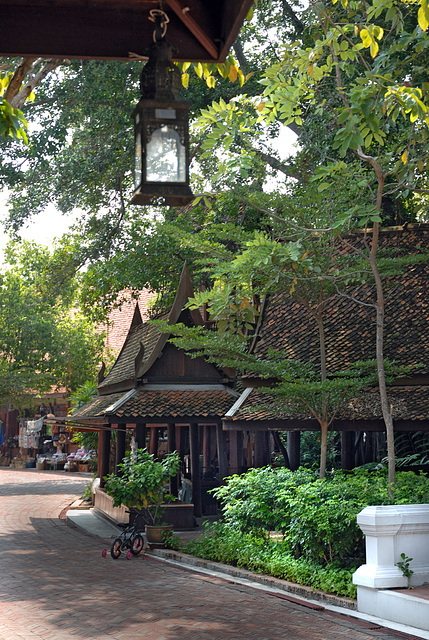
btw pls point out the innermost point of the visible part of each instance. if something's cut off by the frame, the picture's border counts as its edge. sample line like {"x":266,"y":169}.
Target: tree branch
{"x":23,"y":93}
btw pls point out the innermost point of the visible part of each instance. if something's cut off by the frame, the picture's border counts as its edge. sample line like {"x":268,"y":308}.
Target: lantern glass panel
{"x":165,"y":156}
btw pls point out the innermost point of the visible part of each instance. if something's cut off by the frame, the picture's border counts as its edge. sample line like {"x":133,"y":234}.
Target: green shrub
{"x":316,"y":517}
{"x":260,"y":554}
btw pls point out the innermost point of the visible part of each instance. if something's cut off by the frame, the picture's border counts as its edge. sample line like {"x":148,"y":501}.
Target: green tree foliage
{"x":12,"y":121}
{"x":44,"y":341}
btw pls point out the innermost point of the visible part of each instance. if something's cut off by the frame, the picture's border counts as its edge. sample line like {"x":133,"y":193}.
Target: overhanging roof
{"x":200,"y":30}
{"x":259,"y":411}
{"x":161,"y":404}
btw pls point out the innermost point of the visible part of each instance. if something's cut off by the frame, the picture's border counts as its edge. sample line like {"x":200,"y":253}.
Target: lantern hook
{"x":161,"y":20}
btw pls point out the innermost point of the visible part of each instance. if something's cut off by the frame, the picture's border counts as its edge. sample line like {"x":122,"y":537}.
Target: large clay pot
{"x":155,"y":534}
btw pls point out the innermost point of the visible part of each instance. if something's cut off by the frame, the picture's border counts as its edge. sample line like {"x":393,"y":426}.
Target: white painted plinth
{"x":389,"y":532}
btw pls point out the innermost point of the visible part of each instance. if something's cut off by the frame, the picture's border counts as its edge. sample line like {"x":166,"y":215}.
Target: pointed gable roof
{"x":145,"y":342}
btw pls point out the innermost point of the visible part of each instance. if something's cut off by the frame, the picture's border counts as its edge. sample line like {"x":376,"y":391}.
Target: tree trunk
{"x":324,"y":414}
{"x":323,"y":447}
{"x":379,"y":349}
{"x":379,"y":340}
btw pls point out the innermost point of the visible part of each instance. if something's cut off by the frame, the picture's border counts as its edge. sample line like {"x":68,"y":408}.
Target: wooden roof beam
{"x":191,"y":13}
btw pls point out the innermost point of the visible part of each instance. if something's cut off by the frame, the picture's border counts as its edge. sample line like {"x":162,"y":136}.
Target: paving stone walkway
{"x":55,"y":584}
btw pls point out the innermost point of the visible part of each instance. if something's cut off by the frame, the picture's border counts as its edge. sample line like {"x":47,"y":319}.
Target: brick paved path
{"x":55,"y":585}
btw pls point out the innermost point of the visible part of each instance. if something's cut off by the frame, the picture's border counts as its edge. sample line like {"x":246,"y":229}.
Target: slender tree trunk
{"x":379,"y":344}
{"x":324,"y":421}
{"x":323,"y":447}
{"x":379,"y":349}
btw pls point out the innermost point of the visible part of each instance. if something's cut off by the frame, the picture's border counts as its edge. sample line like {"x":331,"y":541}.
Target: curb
{"x":244,"y":574}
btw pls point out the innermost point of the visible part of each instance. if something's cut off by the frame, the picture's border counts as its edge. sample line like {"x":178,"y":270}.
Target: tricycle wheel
{"x":137,"y":543}
{"x":115,"y":549}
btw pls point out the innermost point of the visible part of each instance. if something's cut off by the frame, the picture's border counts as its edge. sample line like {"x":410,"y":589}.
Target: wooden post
{"x":206,"y":448}
{"x":294,"y":449}
{"x":153,"y":441}
{"x":222,"y":454}
{"x":195,"y":469}
{"x":347,"y":449}
{"x":235,"y":451}
{"x":262,"y":452}
{"x":140,"y":435}
{"x":104,"y":454}
{"x":171,"y":445}
{"x":120,"y":446}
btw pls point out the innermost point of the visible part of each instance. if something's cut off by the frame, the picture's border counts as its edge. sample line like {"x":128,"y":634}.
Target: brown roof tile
{"x":208,"y":401}
{"x":120,"y":319}
{"x":124,"y":367}
{"x":177,"y":403}
{"x":350,"y":327}
{"x":408,"y":403}
{"x":96,"y":407}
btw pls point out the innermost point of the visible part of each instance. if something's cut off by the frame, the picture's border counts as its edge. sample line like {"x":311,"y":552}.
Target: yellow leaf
{"x":374,"y":48}
{"x":420,"y":165}
{"x":233,"y":72}
{"x":423,"y":18}
{"x":185,"y":80}
{"x":261,"y":107}
{"x":211,"y":82}
{"x":404,"y":157}
{"x":310,"y":70}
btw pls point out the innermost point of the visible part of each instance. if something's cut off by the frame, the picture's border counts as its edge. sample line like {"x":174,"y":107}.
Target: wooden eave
{"x":199,"y":30}
{"x":165,"y":420}
{"x":399,"y":426}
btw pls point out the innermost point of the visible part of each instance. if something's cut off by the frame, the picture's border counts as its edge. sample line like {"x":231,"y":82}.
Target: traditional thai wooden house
{"x":350,"y":336}
{"x":157,"y":391}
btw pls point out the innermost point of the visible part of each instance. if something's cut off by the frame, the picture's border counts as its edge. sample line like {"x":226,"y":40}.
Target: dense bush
{"x":261,"y":554}
{"x":316,"y":517}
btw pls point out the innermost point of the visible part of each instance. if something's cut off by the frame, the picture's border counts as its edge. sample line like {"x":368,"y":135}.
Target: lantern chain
{"x":161,"y":20}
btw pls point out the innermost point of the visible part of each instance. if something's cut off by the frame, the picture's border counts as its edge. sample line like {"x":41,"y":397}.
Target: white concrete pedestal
{"x":389,"y":532}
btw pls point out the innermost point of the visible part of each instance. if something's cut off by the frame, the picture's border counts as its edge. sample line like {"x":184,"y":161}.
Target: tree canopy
{"x":45,"y":342}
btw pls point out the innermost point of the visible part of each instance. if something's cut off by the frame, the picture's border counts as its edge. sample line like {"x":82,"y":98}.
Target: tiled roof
{"x":177,"y":403}
{"x":171,"y":401}
{"x":120,"y":319}
{"x":408,"y":403}
{"x":144,"y":342}
{"x":124,"y":368}
{"x":96,"y":407}
{"x":350,"y":327}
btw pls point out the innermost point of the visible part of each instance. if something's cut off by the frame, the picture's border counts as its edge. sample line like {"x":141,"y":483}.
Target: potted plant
{"x":141,"y":484}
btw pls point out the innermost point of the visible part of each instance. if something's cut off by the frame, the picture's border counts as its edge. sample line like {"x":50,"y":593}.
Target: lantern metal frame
{"x":160,"y":115}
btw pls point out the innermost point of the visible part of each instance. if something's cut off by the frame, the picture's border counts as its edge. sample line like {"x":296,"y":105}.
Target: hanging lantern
{"x":161,"y":161}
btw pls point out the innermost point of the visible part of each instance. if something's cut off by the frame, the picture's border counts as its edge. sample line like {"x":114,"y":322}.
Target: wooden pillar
{"x":104,"y":454}
{"x":235,"y":451}
{"x":206,"y":448}
{"x":120,"y":446}
{"x":262,"y":449}
{"x":347,"y":449}
{"x":222,"y":454}
{"x":294,"y":449}
{"x":195,"y":469}
{"x":153,"y":441}
{"x":171,"y":446}
{"x":140,"y":435}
